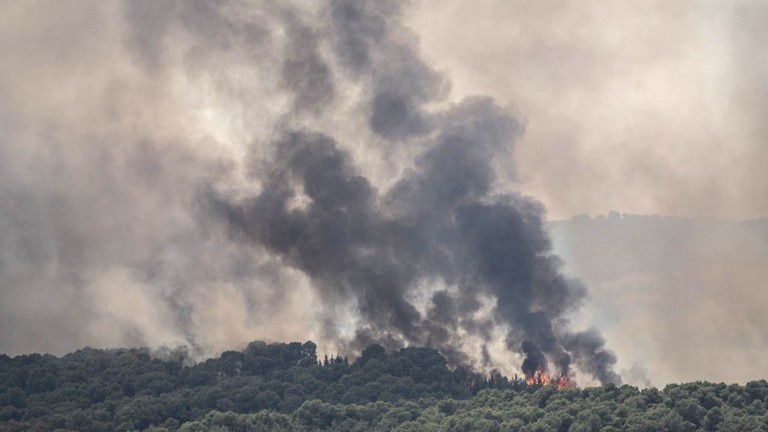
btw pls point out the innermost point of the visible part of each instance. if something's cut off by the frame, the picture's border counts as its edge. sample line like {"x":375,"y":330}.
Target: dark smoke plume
{"x":440,"y":223}
{"x":190,"y":172}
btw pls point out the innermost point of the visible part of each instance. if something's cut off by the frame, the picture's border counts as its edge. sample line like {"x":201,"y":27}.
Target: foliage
{"x":283,"y":387}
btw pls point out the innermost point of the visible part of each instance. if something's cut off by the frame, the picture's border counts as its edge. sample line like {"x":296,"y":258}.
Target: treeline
{"x":283,"y":387}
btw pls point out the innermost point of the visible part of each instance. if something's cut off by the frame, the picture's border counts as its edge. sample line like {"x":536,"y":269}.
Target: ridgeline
{"x":285,"y":387}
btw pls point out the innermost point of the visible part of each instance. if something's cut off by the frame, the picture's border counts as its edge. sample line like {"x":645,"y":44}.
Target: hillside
{"x":285,"y":387}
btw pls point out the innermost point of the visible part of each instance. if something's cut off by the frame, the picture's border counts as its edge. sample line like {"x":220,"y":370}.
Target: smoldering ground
{"x":208,"y":173}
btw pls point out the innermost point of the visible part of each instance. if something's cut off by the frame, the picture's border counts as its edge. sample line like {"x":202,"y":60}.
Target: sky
{"x":149,"y":151}
{"x":651,"y":107}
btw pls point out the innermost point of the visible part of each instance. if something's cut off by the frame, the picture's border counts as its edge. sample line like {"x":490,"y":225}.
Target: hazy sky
{"x":650,"y":107}
{"x":116,"y":117}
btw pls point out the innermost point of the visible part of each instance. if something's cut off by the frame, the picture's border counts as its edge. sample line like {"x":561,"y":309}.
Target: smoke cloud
{"x":440,"y":222}
{"x":208,"y":173}
{"x":684,"y":294}
{"x":642,"y":107}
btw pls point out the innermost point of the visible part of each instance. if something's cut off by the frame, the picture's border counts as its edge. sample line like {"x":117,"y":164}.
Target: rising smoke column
{"x":440,"y":221}
{"x":130,"y":216}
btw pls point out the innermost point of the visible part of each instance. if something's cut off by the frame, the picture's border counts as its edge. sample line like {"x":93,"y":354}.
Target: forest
{"x":286,"y":387}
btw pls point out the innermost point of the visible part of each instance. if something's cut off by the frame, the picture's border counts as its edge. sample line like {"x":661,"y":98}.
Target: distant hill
{"x":285,"y":387}
{"x":685,"y":298}
{"x":610,"y":247}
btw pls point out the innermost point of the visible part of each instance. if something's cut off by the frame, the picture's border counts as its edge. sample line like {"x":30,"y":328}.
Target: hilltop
{"x":285,"y":387}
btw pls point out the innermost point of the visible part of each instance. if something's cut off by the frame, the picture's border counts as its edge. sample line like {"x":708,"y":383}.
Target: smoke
{"x":685,"y":295}
{"x":242,"y":171}
{"x":673,"y":93}
{"x":441,"y":220}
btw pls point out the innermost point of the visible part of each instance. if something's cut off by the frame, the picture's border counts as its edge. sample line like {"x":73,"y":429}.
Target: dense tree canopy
{"x":284,"y":387}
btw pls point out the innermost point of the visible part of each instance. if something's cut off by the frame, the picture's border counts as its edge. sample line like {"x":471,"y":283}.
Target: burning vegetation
{"x":540,"y":378}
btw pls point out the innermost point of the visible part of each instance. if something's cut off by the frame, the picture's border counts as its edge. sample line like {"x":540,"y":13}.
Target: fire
{"x":541,"y":378}
{"x":544,"y":379}
{"x":564,"y":382}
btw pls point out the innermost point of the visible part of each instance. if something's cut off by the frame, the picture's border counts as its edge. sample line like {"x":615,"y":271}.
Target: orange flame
{"x":530,"y":380}
{"x":564,"y":382}
{"x":544,"y":379}
{"x":541,"y":378}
